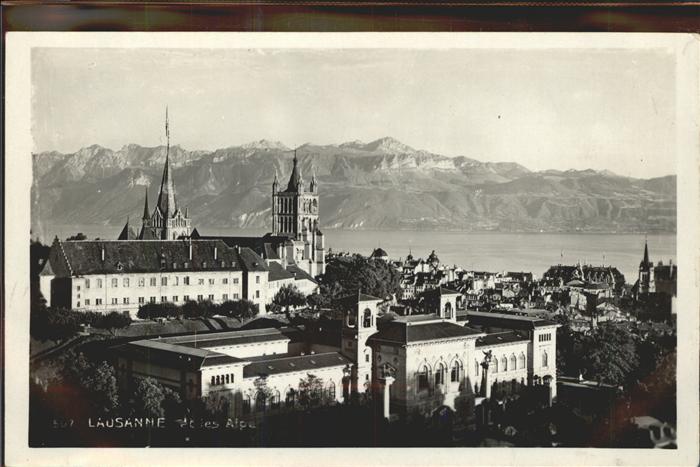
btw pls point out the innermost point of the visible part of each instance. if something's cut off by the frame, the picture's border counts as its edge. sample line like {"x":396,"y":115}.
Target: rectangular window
{"x":153,"y":299}
{"x":98,"y":301}
{"x":77,"y":288}
{"x":77,"y":305}
{"x":224,"y":280}
{"x":177,"y":280}
{"x":115,"y":282}
{"x":163,"y":299}
{"x":125,"y":300}
{"x":200,"y":297}
{"x":163,"y":281}
{"x":142,"y":282}
{"x":235,"y":296}
{"x":114,"y":301}
{"x":186,"y":298}
{"x":235,"y":280}
{"x":211,"y":298}
{"x":99,"y":283}
{"x":175,"y":298}
{"x":125,"y":282}
{"x":422,"y":380}
{"x":211,"y":281}
{"x":257,"y":294}
{"x":87,"y":284}
{"x":224,"y":297}
{"x":186,"y":280}
{"x":153,"y":281}
{"x":142,"y":300}
{"x":87,"y":302}
{"x":257,"y":279}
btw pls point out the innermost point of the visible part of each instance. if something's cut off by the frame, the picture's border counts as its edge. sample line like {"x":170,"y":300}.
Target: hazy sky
{"x":601,"y":109}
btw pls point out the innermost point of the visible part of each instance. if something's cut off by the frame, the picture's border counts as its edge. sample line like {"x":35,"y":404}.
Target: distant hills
{"x":383,"y":184}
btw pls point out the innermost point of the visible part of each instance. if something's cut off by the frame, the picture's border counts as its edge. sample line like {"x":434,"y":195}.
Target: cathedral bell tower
{"x":359,"y":323}
{"x":646,"y":273}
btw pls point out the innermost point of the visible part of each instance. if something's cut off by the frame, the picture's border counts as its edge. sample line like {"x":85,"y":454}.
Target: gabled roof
{"x":401,"y":332}
{"x":85,"y":257}
{"x":156,"y":352}
{"x":265,"y":246}
{"x":275,"y":364}
{"x":278,"y":273}
{"x":300,"y":274}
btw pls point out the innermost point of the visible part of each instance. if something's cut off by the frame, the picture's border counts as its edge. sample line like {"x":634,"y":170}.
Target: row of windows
{"x":222,"y":379}
{"x":163,"y":299}
{"x":504,"y":364}
{"x":439,"y":375}
{"x":546,"y":337}
{"x":153,"y":281}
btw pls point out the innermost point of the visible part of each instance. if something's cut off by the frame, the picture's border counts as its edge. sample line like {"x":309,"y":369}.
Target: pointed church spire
{"x":146,"y":215}
{"x":646,"y":251}
{"x":295,"y":178}
{"x":166,"y":197}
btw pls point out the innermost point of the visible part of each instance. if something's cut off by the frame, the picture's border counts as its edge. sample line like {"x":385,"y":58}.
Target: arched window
{"x":512,"y":362}
{"x":352,"y":319}
{"x":218,"y":379}
{"x":331,"y":391}
{"x":367,"y":318}
{"x":504,"y":363}
{"x":275,"y":400}
{"x":213,"y":380}
{"x":521,"y":360}
{"x":448,"y":310}
{"x":440,"y":374}
{"x":290,"y":398}
{"x":545,"y":359}
{"x":423,"y":376}
{"x":456,"y":372}
{"x":494,"y":365}
{"x":260,"y":402}
{"x":246,"y":405}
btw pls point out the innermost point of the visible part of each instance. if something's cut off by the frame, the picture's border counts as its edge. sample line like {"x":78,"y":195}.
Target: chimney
{"x":215,"y":257}
{"x":103,"y":252}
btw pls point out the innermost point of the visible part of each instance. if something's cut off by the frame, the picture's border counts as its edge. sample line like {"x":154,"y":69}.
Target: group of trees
{"x":239,"y":309}
{"x":610,"y":353}
{"x":348,"y":274}
{"x":58,"y":324}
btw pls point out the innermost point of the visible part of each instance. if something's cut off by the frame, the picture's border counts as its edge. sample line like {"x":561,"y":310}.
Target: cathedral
{"x":166,"y":221}
{"x":296,"y":243}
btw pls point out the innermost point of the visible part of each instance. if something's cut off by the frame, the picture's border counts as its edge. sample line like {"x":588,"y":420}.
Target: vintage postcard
{"x":223,"y":246}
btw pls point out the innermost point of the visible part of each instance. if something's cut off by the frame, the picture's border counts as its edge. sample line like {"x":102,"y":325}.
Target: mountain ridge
{"x":383,"y":184}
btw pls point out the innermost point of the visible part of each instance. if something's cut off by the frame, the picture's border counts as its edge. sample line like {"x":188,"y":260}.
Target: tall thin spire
{"x":166,"y":197}
{"x":146,"y":215}
{"x":646,"y":251}
{"x":295,"y":178}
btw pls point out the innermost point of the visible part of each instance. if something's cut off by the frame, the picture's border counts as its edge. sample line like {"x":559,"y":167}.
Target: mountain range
{"x":383,"y":184}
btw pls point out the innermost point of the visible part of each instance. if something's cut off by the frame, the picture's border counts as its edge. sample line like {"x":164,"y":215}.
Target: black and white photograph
{"x":342,"y":244}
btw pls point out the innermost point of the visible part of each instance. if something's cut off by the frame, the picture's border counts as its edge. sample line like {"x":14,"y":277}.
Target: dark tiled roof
{"x":229,"y":338}
{"x":407,"y":332}
{"x":378,"y":253}
{"x":85,"y":257}
{"x":353,"y":299}
{"x":506,"y":320}
{"x":265,"y":246}
{"x":501,"y":338}
{"x":170,"y":355}
{"x":278,"y":273}
{"x":440,"y":291}
{"x":299,"y":273}
{"x":275,"y":364}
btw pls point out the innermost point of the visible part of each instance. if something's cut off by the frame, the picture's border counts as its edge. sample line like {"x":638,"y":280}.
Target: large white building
{"x":121,"y":276}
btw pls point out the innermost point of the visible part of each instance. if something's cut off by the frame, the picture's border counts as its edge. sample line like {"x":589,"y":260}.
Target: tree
{"x":113,"y":321}
{"x":318,"y":301}
{"x":158,"y":310}
{"x":609,"y":354}
{"x":97,"y":381}
{"x":289,"y":296}
{"x":239,"y":309}
{"x":347,"y":274}
{"x":53,"y":323}
{"x":148,"y":398}
{"x":310,"y":391}
{"x":78,"y":236}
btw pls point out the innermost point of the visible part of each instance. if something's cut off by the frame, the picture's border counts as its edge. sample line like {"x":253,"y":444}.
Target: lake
{"x":488,"y":251}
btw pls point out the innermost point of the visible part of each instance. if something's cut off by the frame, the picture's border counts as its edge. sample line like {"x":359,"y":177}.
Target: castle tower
{"x":359,"y":323}
{"x":167,"y":222}
{"x":646,"y":273}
